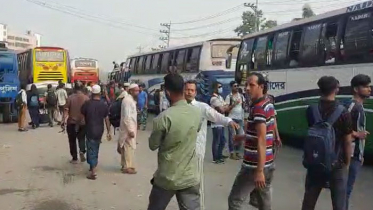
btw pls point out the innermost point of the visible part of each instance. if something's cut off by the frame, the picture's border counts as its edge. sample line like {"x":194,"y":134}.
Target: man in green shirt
{"x":174,"y":135}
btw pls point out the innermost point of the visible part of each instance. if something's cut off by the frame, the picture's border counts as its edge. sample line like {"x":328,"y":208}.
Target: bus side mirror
{"x":228,"y":61}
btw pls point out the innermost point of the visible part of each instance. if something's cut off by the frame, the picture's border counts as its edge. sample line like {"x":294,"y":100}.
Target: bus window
{"x":148,"y":64}
{"x":140,"y":65}
{"x":155,"y":64}
{"x":165,"y":63}
{"x":180,"y":61}
{"x":358,"y":38}
{"x":220,"y":51}
{"x":244,"y":62}
{"x":280,"y":52}
{"x":192,"y":59}
{"x":260,"y":59}
{"x":330,"y":31}
{"x":311,"y":51}
{"x":295,"y":47}
{"x":171,"y":62}
{"x":132,"y":64}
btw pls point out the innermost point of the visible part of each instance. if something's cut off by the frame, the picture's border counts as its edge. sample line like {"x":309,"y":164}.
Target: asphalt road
{"x":35,"y":174}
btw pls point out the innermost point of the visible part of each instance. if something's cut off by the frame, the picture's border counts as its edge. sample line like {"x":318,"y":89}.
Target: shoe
{"x":130,"y":171}
{"x":74,"y":161}
{"x":222,"y":161}
{"x":239,"y":156}
{"x":233,"y":156}
{"x":33,"y":126}
{"x":82,"y":157}
{"x":218,"y":161}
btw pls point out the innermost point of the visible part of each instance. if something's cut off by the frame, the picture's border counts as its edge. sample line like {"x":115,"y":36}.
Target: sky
{"x":111,"y":30}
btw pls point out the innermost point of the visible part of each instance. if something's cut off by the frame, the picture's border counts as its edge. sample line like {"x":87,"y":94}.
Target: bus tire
{"x":7,"y":113}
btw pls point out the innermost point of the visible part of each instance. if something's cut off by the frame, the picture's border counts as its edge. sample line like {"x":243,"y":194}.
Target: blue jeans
{"x":218,"y":143}
{"x":93,"y":147}
{"x":354,"y":169}
{"x":231,"y":131}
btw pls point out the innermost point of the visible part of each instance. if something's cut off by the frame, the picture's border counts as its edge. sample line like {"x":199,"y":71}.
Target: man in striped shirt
{"x":257,"y":167}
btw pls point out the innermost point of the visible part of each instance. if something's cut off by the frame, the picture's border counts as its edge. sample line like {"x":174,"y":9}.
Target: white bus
{"x":202,"y":61}
{"x":295,"y":55}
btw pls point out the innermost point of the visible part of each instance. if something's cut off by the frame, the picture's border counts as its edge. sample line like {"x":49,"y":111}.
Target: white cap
{"x":133,"y":86}
{"x":96,"y":89}
{"x":126,"y":84}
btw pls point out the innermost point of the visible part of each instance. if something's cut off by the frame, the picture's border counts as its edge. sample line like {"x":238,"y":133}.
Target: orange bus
{"x":84,"y":69}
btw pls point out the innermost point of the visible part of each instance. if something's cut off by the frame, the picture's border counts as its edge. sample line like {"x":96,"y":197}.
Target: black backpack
{"x":114,"y":113}
{"x":156,"y":97}
{"x":51,"y":98}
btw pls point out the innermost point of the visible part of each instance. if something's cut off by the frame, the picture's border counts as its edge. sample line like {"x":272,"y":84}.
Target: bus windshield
{"x":49,"y":56}
{"x":220,"y":51}
{"x":6,"y":62}
{"x":85,"y":63}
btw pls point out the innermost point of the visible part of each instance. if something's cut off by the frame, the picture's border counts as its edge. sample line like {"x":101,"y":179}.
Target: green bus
{"x":295,"y":55}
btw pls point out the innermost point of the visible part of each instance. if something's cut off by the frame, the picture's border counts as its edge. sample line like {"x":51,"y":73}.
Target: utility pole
{"x":140,"y":48}
{"x":254,"y":7}
{"x":167,"y":33}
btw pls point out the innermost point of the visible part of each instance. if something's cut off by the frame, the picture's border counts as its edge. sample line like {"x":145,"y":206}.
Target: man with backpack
{"x":361,"y":90}
{"x":51,"y":103}
{"x":327,"y":147}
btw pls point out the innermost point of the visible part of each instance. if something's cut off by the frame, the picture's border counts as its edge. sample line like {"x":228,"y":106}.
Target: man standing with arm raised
{"x":174,"y":135}
{"x":210,"y":114}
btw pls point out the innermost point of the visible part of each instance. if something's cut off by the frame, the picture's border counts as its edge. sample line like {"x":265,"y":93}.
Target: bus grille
{"x":49,"y":75}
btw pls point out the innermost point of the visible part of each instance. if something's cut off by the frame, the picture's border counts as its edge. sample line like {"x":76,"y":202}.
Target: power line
{"x":233,"y":9}
{"x":206,"y":34}
{"x":89,"y":17}
{"x":208,"y":25}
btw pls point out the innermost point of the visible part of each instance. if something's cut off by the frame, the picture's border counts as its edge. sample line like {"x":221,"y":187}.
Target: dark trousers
{"x":244,"y":184}
{"x":35,"y":115}
{"x":74,"y":133}
{"x":51,"y":111}
{"x":338,"y":189}
{"x":354,"y":169}
{"x":188,"y":199}
{"x":218,"y":143}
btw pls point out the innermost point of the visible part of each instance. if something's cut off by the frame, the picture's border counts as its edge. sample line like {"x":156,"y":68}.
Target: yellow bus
{"x":44,"y":64}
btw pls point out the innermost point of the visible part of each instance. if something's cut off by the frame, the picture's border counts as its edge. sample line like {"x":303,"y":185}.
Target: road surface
{"x":35,"y":174}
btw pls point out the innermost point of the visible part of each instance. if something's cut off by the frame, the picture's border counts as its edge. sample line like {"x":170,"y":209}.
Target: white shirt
{"x":237,"y":111}
{"x":209,"y":114}
{"x":163,"y":102}
{"x":216,"y":101}
{"x":61,"y":96}
{"x":24,"y":96}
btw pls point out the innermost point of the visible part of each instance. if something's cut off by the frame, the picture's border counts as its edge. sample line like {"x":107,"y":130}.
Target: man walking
{"x":257,"y":167}
{"x":61,"y":98}
{"x":95,"y":112}
{"x":361,"y":90}
{"x":128,"y":130}
{"x":75,"y":123}
{"x":320,"y":175}
{"x":209,"y":114}
{"x":174,"y":135}
{"x":51,"y":103}
{"x":235,"y":110}
{"x":142,"y":105}
{"x":21,"y":102}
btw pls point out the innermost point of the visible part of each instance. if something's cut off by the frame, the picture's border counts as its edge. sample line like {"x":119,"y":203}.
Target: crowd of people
{"x":333,"y":152}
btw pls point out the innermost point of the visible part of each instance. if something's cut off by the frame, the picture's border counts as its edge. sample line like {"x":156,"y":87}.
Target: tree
{"x":307,"y":11}
{"x":248,"y":23}
{"x":268,"y":24}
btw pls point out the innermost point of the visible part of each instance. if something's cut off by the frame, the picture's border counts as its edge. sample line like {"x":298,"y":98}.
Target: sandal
{"x":92,"y":176}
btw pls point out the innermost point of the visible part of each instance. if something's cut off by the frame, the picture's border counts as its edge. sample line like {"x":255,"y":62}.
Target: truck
{"x":9,"y":84}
